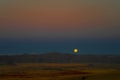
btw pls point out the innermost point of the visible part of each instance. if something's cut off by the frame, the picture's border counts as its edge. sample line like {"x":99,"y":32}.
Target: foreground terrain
{"x":63,"y":71}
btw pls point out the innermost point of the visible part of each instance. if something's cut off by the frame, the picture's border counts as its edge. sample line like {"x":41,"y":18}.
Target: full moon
{"x":75,"y":50}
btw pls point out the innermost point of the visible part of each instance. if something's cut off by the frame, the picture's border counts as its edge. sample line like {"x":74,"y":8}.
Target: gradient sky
{"x":57,"y":21}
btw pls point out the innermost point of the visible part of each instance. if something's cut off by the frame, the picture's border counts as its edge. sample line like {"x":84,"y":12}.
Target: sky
{"x":93,"y":26}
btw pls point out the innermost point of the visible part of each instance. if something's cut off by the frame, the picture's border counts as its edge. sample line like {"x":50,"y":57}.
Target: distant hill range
{"x":59,"y":58}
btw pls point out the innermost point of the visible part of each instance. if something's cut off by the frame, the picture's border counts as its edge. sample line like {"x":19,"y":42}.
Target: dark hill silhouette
{"x":55,"y":57}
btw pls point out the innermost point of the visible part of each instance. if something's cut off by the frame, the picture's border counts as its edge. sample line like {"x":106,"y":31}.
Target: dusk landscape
{"x":38,"y":39}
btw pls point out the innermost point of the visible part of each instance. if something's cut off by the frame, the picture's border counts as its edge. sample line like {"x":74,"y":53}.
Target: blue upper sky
{"x":65,"y":46}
